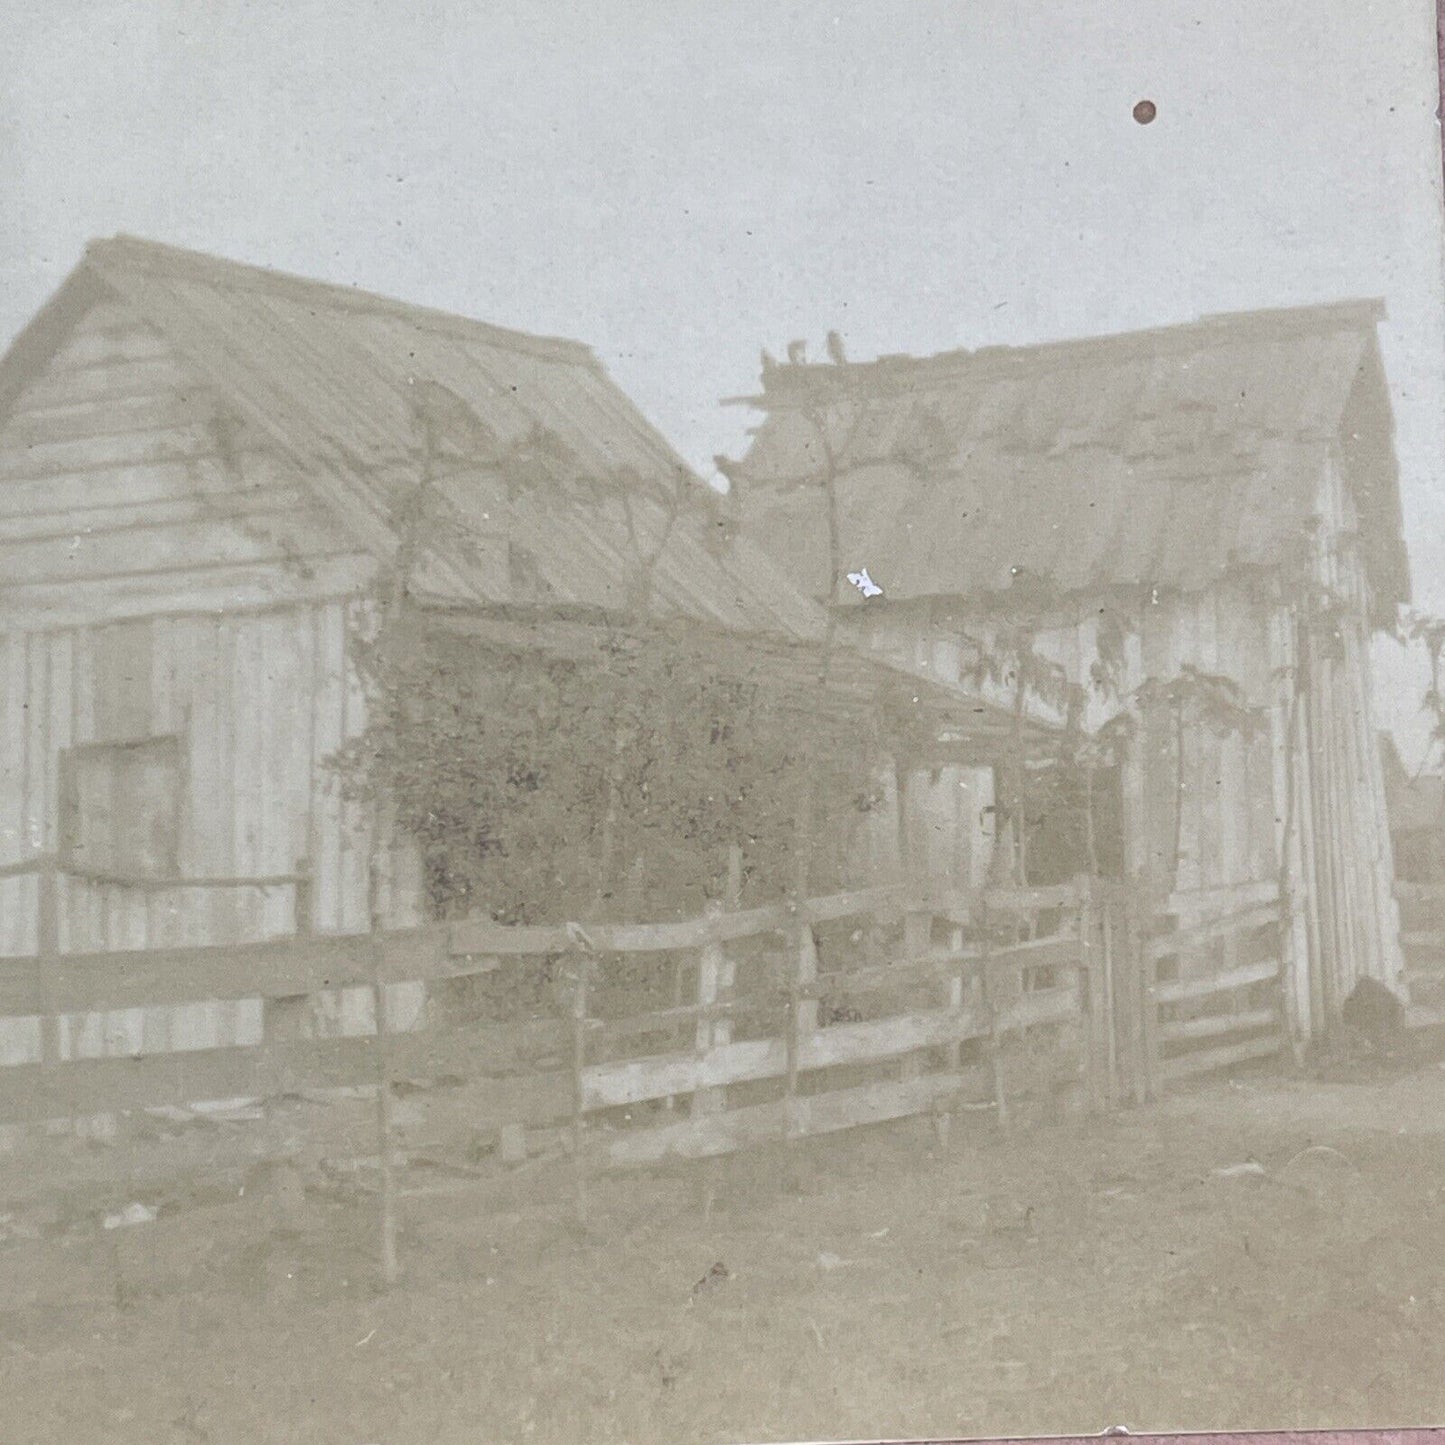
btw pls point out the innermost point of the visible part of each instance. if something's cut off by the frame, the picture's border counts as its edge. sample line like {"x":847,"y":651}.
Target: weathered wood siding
{"x":1210,"y":812}
{"x":949,"y":817}
{"x":126,"y":487}
{"x":1210,"y":822}
{"x":1343,"y":805}
{"x":944,"y":813}
{"x":164,"y":573}
{"x":259,"y":702}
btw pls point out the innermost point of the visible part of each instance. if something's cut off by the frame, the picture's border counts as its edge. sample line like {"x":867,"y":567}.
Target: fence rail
{"x":1422,"y":941}
{"x":750,"y":1024}
{"x":53,"y":984}
{"x":1217,"y":995}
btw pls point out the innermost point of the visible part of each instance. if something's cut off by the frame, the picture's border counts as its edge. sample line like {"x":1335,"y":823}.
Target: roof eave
{"x":43,"y":335}
{"x":156,"y":258}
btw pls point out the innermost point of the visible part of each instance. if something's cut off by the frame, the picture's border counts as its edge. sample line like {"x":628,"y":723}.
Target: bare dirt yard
{"x":1064,"y":1279}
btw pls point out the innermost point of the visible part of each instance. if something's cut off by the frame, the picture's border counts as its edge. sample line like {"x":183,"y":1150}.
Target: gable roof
{"x":609,"y":521}
{"x":334,"y":379}
{"x":1165,"y":458}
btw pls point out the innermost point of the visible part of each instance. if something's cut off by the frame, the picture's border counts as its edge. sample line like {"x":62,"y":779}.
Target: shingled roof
{"x":333,"y":376}
{"x":1161,"y":458}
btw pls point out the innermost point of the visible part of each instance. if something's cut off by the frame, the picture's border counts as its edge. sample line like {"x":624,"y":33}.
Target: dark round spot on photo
{"x":1145,"y":111}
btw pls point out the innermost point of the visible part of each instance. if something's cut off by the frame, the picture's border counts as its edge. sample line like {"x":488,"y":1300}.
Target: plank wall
{"x":164,"y":573}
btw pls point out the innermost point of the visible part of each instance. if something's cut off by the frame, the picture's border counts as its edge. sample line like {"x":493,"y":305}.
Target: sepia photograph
{"x":720,"y":723}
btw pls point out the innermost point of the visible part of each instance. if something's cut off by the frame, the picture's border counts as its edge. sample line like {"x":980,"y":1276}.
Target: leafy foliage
{"x":1210,"y":699}
{"x":541,"y":789}
{"x":1430,"y":631}
{"x":1012,"y":661}
{"x":1106,"y":673}
{"x":535,"y":786}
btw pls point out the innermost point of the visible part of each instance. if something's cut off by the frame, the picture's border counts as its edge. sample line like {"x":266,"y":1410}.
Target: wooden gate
{"x":1192,"y":989}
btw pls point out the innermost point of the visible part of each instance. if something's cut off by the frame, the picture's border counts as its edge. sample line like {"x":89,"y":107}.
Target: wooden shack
{"x":208,"y":472}
{"x":1416,"y":809}
{"x":1198,"y":527}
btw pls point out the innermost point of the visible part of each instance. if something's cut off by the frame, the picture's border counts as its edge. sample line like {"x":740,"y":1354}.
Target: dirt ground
{"x":1065,"y":1279}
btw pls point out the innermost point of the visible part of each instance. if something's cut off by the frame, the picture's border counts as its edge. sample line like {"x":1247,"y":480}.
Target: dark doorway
{"x":1074,"y":820}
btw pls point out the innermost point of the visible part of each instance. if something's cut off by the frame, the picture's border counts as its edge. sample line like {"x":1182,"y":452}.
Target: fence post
{"x":991,"y":1011}
{"x":1149,"y":1083}
{"x":942,"y":1112}
{"x":1089,"y":993}
{"x":917,"y":941}
{"x":802,"y":1017}
{"x":715,"y":977}
{"x":955,"y":992}
{"x":579,"y":1095}
{"x":1109,"y":1025}
{"x":47,"y":951}
{"x":1129,"y":1002}
{"x":389,"y":1270}
{"x":305,"y":899}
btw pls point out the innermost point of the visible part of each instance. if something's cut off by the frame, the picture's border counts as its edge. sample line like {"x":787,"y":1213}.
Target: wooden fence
{"x":779,"y":1044}
{"x":751,"y":989}
{"x":1422,"y":940}
{"x":1217,"y":985}
{"x":690,"y":1039}
{"x":751,"y":1001}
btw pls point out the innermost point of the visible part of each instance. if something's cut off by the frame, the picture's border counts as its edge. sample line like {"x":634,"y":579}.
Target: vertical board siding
{"x":261,"y":703}
{"x":1223,"y":814}
{"x":353,"y":889}
{"x":167,"y":717}
{"x":117,"y":421}
{"x":242,"y":768}
{"x":122,"y":658}
{"x":205,"y":795}
{"x":83,"y":922}
{"x":218,"y":833}
{"x":1193,"y":644}
{"x":16,"y":895}
{"x":36,"y":722}
{"x":328,"y":689}
{"x":278,"y":845}
{"x":874,"y":844}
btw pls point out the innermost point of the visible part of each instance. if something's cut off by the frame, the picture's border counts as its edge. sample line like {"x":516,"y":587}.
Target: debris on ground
{"x":1216,"y":1306}
{"x":717,"y":1275}
{"x":1250,"y":1169}
{"x":1317,"y":1153}
{"x":1374,"y":1013}
{"x":13,"y":1227}
{"x":512,"y":1144}
{"x":135,"y":1213}
{"x":1317,"y":1169}
{"x":1008,"y":1220}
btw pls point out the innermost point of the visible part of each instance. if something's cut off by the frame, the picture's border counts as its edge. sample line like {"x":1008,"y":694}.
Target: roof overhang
{"x":927,"y":717}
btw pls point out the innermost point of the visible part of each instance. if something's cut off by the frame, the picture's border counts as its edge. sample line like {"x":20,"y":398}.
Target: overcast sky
{"x":680,"y":183}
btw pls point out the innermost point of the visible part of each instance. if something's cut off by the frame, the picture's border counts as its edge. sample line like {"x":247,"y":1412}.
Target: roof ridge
{"x":136,"y":253}
{"x":1210,"y":329}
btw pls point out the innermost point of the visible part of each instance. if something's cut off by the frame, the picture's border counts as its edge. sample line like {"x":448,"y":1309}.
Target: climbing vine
{"x":539,"y":785}
{"x":1429,"y":631}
